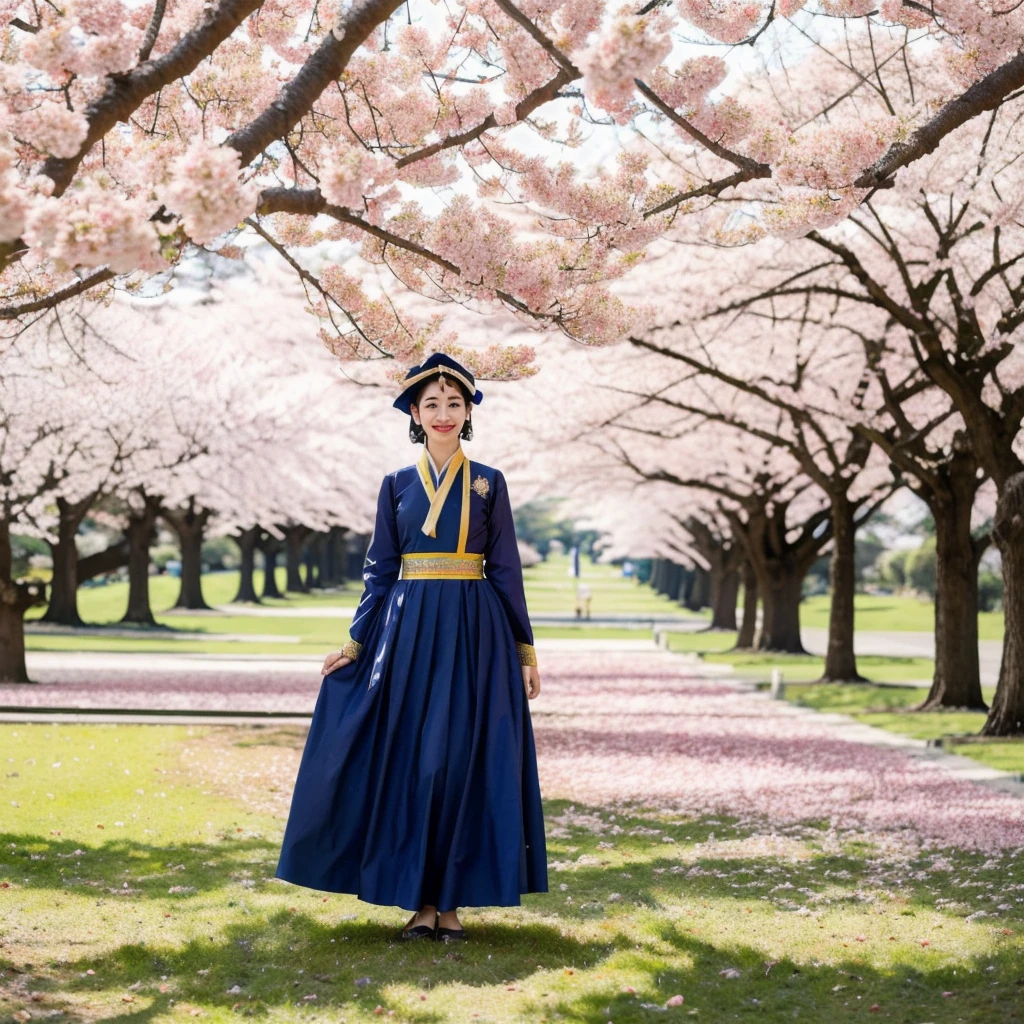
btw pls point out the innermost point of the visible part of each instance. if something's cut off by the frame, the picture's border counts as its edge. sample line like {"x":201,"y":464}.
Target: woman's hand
{"x":334,"y":660}
{"x":531,"y":680}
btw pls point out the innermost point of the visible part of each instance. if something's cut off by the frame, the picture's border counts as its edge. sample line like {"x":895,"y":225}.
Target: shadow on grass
{"x":46,"y":862}
{"x":787,"y":989}
{"x":267,"y":958}
{"x":288,"y":957}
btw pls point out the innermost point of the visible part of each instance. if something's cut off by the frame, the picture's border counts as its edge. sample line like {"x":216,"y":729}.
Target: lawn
{"x":891,"y":613}
{"x":549,"y":589}
{"x":136,"y":884}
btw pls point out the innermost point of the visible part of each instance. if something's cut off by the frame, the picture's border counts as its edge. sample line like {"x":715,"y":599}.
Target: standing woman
{"x":418,"y":785}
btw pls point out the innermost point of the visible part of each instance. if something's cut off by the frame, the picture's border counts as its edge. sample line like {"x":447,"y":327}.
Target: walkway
{"x":906,"y":645}
{"x":618,"y":720}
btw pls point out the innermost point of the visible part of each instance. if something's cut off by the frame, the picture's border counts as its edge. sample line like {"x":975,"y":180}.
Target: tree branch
{"x":55,"y":298}
{"x":986,"y":94}
{"x":125,"y":93}
{"x":326,"y":65}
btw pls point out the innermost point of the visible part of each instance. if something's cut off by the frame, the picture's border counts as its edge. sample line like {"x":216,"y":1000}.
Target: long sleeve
{"x":505,"y":570}
{"x":382,"y":564}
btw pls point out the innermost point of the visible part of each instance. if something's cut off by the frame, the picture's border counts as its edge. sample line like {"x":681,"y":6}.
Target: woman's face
{"x":441,"y":413}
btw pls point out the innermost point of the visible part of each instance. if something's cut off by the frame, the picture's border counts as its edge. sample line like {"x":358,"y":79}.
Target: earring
{"x":416,"y":432}
{"x":467,"y":430}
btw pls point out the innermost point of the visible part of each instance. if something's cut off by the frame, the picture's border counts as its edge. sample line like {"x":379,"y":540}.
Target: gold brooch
{"x":481,"y":486}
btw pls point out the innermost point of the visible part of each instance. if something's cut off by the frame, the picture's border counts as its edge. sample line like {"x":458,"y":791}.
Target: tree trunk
{"x":780,"y":588}
{"x":189,"y":525}
{"x":312,"y":560}
{"x":682,"y":581}
{"x":957,"y":679}
{"x":840,"y":661}
{"x":141,"y":534}
{"x":110,"y":558}
{"x":294,"y":536}
{"x":655,"y":580}
{"x":1006,"y":717}
{"x":725,"y":589}
{"x":247,"y":541}
{"x":698,"y":596}
{"x":16,"y":597}
{"x":337,"y":545}
{"x":333,"y":558}
{"x":63,"y":606}
{"x":270,"y":548}
{"x":748,"y":627}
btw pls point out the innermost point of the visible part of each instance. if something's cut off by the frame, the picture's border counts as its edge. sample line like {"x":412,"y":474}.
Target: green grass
{"x":549,"y":589}
{"x":893,"y":613}
{"x":160,"y":914}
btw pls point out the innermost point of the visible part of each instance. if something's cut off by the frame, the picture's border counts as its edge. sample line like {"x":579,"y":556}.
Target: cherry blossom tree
{"x":928,"y":284}
{"x":48,"y":443}
{"x":212,"y":418}
{"x":133,"y":134}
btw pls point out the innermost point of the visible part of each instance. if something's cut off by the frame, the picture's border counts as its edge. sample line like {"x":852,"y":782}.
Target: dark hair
{"x":416,"y":432}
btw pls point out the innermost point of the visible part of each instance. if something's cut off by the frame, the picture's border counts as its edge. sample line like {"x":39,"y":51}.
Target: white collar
{"x":438,"y":472}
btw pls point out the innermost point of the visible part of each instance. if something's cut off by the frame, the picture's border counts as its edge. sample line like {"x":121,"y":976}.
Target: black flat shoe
{"x":421,"y":931}
{"x":450,"y":935}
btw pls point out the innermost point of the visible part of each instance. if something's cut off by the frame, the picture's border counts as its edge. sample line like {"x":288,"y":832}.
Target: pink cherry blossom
{"x":53,"y":129}
{"x":205,"y":190}
{"x":629,"y":48}
{"x":93,"y":226}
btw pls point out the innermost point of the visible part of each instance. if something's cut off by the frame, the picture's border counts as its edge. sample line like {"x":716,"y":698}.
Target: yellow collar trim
{"x":437,"y":495}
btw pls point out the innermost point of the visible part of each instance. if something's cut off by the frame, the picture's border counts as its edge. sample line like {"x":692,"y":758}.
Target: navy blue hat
{"x":435,"y":366}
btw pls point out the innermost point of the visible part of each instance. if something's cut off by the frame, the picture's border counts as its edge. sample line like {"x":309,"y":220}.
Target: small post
{"x":778,"y":690}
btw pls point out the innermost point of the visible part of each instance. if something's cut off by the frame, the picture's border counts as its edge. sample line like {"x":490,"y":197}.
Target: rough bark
{"x":1006,"y":717}
{"x":247,"y":541}
{"x":840,"y":660}
{"x":99,"y":564}
{"x":724,"y":557}
{"x":16,"y":597}
{"x":725,"y":592}
{"x":780,"y":566}
{"x":748,"y":625}
{"x":681,"y":582}
{"x":270,"y":548}
{"x":700,"y":592}
{"x":63,"y":605}
{"x":141,"y":535}
{"x":189,"y":524}
{"x":294,"y":537}
{"x":780,"y":590}
{"x":657,"y":569}
{"x":313,"y":558}
{"x":334,"y":559}
{"x":957,"y":679}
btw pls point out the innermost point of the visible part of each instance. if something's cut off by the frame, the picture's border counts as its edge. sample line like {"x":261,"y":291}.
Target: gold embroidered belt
{"x":443,"y":565}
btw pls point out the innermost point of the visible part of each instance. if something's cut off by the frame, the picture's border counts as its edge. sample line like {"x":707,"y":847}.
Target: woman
{"x":418,"y":785}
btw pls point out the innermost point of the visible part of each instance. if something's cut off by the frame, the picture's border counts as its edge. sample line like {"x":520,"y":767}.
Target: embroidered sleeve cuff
{"x":527,"y":654}
{"x":351,"y":650}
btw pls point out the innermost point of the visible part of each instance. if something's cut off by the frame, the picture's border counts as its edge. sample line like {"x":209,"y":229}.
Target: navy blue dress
{"x":418,"y":783}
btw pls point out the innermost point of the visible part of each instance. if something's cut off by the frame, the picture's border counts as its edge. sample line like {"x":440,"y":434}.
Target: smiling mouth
{"x":451,"y":426}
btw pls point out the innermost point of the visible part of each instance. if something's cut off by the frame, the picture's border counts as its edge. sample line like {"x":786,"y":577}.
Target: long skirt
{"x":418,"y":783}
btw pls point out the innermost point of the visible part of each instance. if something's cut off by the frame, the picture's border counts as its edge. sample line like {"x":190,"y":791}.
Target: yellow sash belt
{"x":443,"y":565}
